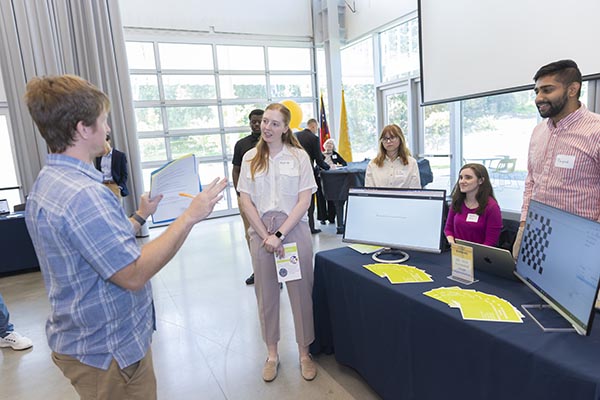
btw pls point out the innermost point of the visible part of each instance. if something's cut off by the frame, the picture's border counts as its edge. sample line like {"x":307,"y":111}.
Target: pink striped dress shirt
{"x":563,"y":168}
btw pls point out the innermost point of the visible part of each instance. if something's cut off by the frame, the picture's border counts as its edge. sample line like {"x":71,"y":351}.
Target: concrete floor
{"x":208,"y":343}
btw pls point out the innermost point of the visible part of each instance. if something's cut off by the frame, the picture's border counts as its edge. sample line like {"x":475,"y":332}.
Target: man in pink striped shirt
{"x":563,"y":167}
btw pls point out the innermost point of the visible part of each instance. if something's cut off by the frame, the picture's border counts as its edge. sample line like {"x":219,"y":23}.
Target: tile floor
{"x":208,"y":343}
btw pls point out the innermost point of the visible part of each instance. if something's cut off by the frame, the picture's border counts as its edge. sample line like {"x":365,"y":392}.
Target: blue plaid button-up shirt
{"x":82,"y":237}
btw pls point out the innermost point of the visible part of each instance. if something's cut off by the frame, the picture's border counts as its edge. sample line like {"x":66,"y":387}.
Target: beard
{"x":555,"y":107}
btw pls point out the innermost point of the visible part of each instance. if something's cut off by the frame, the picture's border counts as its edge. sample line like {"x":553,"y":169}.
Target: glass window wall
{"x":436,"y":134}
{"x":187,"y":101}
{"x":241,"y":58}
{"x":185,"y":56}
{"x":400,"y":51}
{"x":359,"y":92}
{"x":289,"y":59}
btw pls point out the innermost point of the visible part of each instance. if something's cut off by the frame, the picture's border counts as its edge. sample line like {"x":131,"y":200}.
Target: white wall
{"x":371,"y":14}
{"x":254,"y":17}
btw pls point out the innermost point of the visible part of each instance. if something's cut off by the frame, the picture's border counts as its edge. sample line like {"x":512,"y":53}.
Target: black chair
{"x":425,"y":173}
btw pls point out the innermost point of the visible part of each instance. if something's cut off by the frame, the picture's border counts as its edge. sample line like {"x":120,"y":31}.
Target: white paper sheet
{"x":177,"y":176}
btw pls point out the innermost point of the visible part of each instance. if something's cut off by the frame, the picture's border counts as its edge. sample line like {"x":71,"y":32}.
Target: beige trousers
{"x":114,"y":188}
{"x":135,"y":382}
{"x":266,"y":286}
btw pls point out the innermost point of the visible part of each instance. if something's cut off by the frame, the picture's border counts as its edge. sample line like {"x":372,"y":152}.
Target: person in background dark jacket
{"x":113,"y":165}
{"x":310,"y":141}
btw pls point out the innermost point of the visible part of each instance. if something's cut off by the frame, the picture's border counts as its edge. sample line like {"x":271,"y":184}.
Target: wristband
{"x":280,"y":235}
{"x":138,"y":218}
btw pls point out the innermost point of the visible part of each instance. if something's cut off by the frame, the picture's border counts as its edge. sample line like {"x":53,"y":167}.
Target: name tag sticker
{"x":286,"y":166}
{"x":472,"y":217}
{"x":565,"y":161}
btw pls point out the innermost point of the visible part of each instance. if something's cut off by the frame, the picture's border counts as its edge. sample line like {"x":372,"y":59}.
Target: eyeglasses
{"x":389,"y":139}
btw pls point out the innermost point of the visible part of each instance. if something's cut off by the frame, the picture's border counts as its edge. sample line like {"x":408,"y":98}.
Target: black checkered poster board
{"x":536,"y":241}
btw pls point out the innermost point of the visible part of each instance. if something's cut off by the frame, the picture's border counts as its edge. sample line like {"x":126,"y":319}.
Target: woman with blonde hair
{"x":393,"y":167}
{"x":276,"y":183}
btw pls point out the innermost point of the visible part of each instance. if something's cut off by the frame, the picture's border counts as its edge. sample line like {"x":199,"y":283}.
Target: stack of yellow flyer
{"x":476,"y":305}
{"x":364,"y":248}
{"x":397,"y":273}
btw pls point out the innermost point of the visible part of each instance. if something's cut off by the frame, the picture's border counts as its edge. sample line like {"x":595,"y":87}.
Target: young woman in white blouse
{"x":393,"y":167}
{"x":276,"y":183}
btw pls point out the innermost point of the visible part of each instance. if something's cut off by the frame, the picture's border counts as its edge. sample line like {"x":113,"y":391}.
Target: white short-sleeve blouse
{"x":277,"y":189}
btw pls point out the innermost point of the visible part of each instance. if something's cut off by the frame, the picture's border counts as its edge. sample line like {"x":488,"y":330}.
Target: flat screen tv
{"x":398,"y":219}
{"x":559,"y":259}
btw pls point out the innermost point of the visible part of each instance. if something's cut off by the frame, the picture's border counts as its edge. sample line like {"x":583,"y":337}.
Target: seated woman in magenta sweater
{"x":474,"y":213}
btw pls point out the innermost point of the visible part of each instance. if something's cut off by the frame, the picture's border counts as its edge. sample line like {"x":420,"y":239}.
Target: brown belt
{"x":109,"y":182}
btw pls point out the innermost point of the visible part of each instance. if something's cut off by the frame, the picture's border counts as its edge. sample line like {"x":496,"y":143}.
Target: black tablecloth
{"x":16,"y":249}
{"x":409,"y":346}
{"x":337,"y":182}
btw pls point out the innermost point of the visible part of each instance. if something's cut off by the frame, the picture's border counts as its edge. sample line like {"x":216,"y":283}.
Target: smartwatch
{"x":280,"y":235}
{"x":138,"y":218}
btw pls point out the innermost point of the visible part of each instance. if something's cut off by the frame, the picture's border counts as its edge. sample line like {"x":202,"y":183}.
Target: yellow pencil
{"x":191,"y":196}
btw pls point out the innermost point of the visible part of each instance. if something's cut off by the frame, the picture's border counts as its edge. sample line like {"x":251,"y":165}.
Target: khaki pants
{"x":266,"y":286}
{"x":115,"y":189}
{"x":135,"y":382}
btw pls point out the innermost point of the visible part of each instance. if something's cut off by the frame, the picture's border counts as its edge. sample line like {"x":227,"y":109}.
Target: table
{"x":337,"y":182}
{"x":16,"y":249}
{"x":409,"y":346}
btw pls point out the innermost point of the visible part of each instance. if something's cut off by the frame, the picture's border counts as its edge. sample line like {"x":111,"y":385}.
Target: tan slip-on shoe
{"x":270,"y":370}
{"x":308,"y":368}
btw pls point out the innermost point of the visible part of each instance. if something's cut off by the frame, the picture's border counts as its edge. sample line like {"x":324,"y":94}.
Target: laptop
{"x":4,"y":209}
{"x":492,"y":260}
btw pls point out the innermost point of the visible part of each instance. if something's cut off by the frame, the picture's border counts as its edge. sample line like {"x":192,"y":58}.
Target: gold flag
{"x":344,"y":147}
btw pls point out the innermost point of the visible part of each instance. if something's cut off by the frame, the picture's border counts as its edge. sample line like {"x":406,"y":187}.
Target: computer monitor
{"x":399,"y":219}
{"x":559,"y":260}
{"x":4,"y":209}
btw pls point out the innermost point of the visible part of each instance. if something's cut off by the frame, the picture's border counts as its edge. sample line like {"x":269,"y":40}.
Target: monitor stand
{"x":548,"y":318}
{"x":385,"y":256}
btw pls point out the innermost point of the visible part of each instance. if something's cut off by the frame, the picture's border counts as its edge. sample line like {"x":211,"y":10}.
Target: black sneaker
{"x":250,"y":280}
{"x":313,"y":231}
